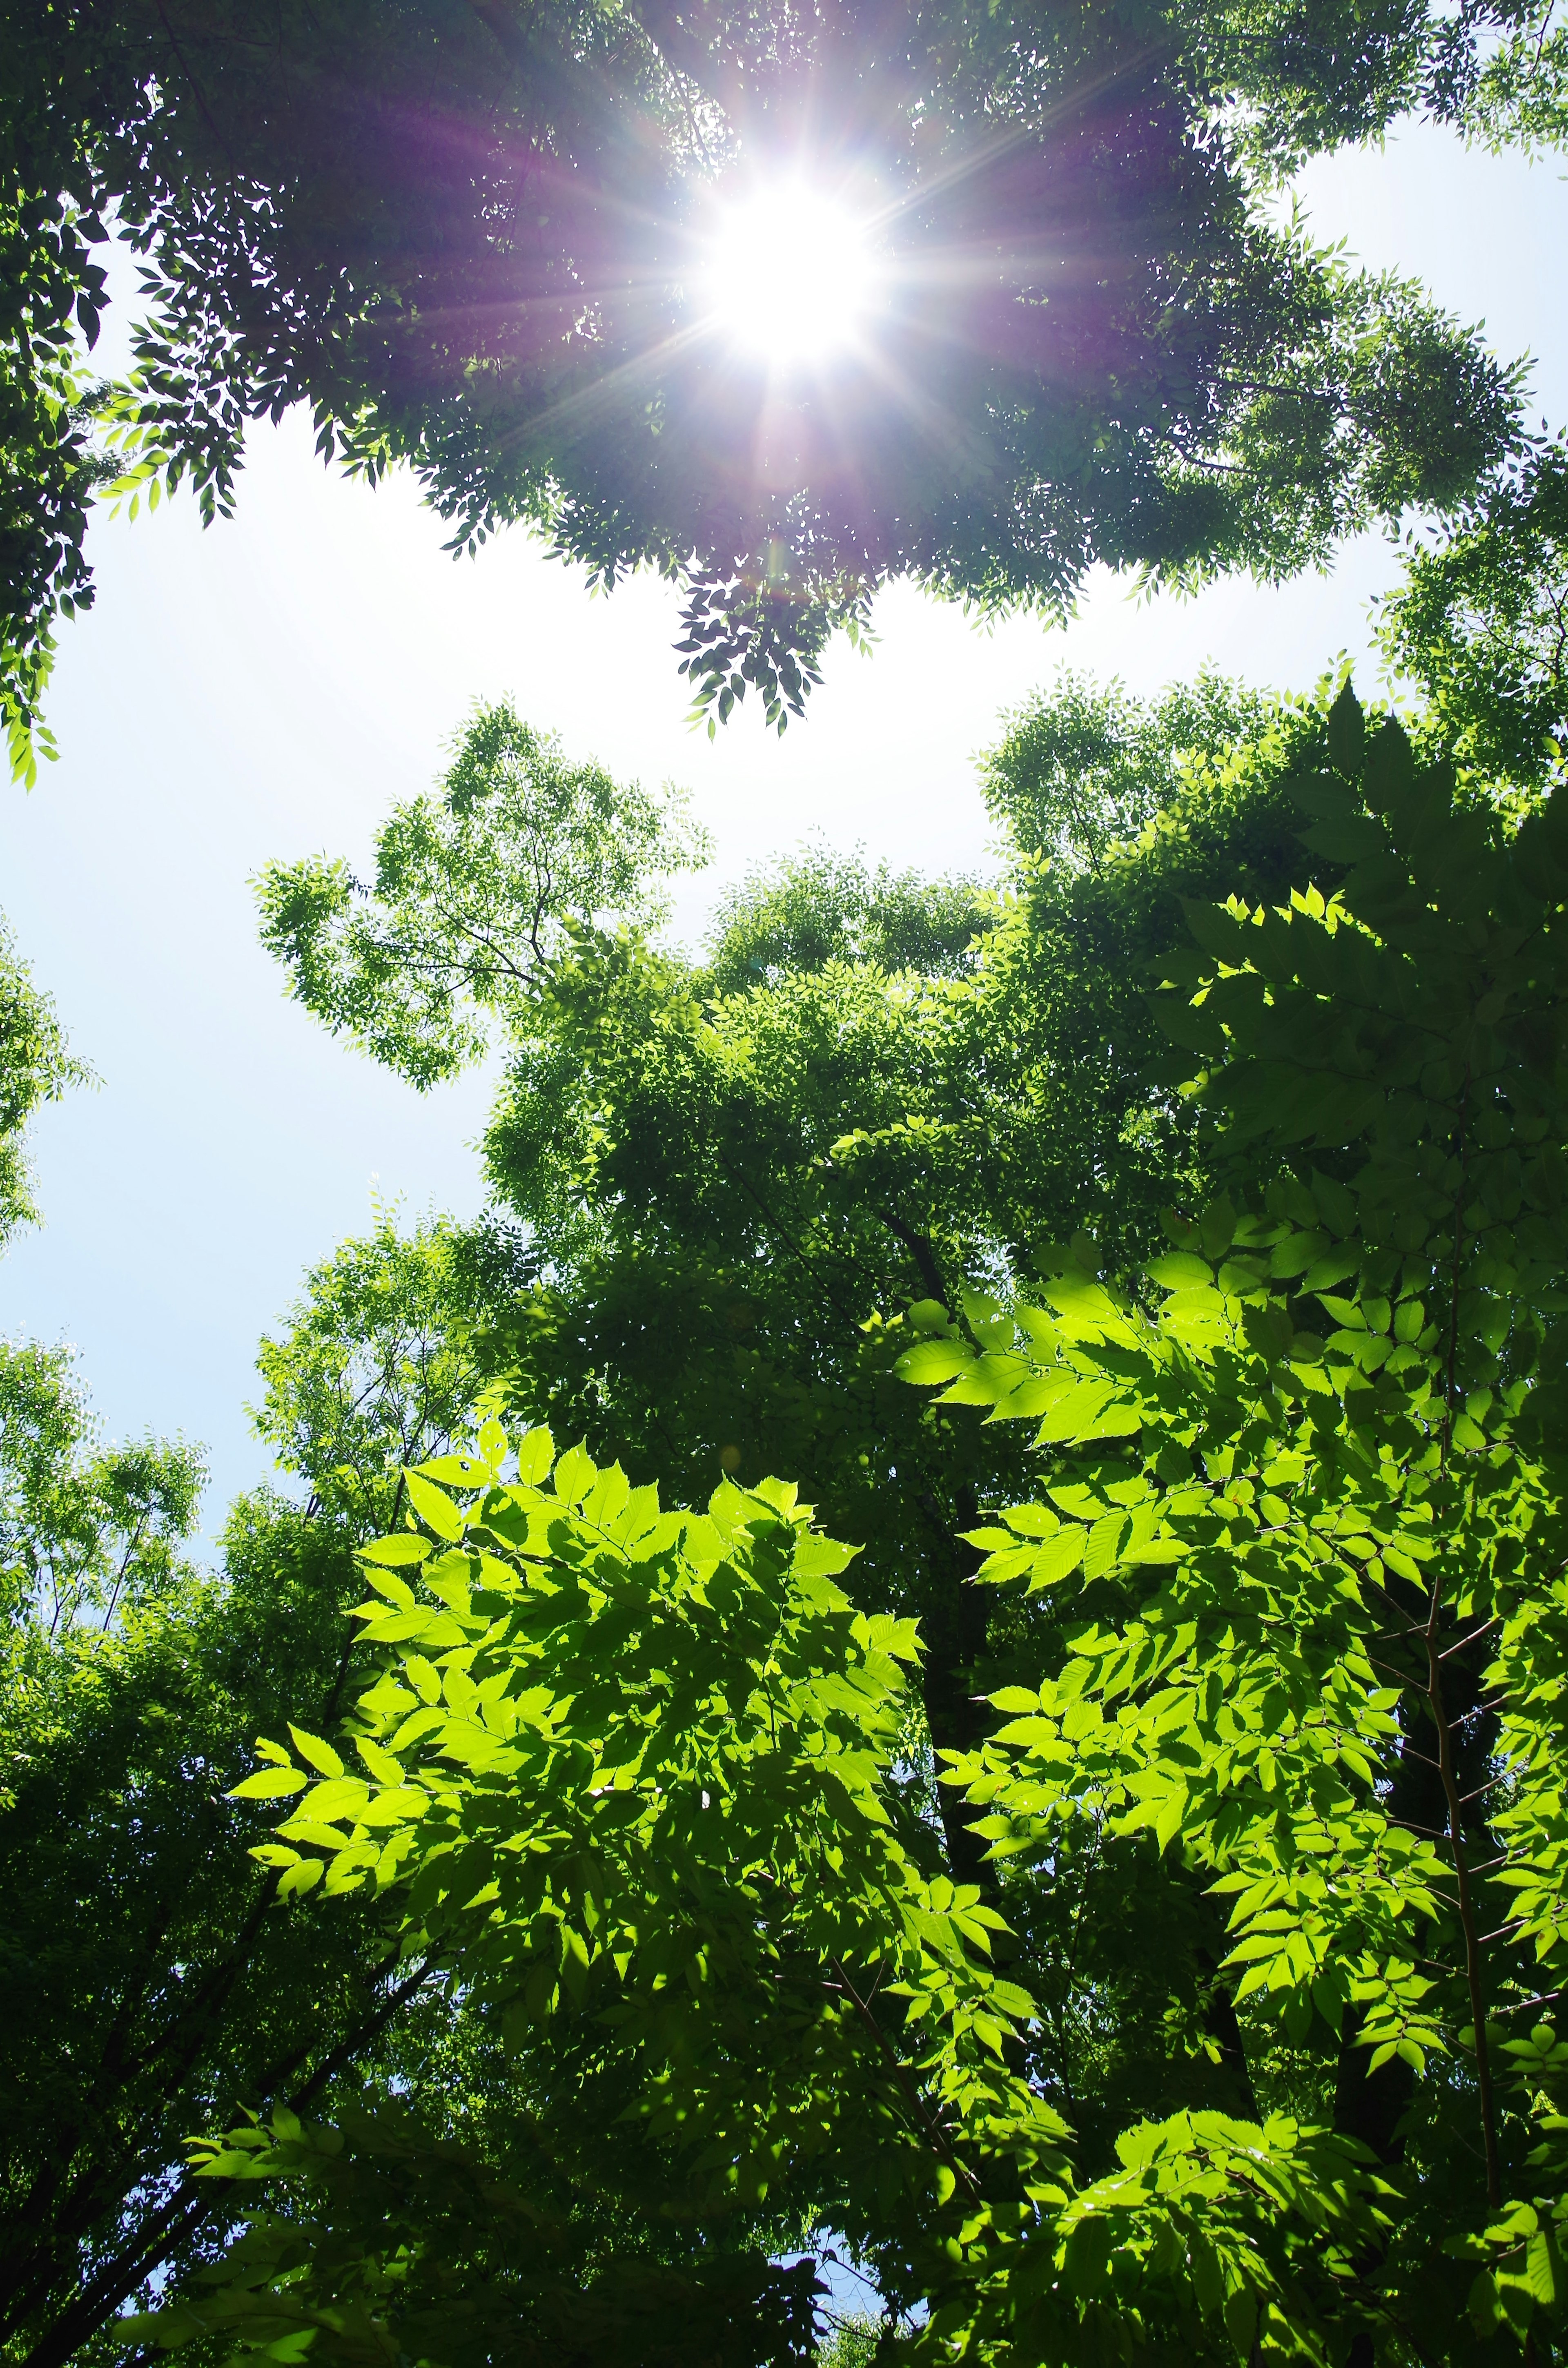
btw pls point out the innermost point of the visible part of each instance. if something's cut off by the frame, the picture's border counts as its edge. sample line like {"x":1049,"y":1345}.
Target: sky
{"x":272,"y":687}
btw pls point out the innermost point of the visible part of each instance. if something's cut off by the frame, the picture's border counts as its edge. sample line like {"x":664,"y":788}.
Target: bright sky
{"x":273,"y":686}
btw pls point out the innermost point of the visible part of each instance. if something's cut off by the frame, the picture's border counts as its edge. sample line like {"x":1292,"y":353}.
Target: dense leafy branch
{"x":474,"y":241}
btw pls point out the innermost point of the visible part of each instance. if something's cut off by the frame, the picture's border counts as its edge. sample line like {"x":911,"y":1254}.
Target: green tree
{"x":1287,"y":1614}
{"x":475,"y":895}
{"x":149,"y":1984}
{"x":85,"y":1528}
{"x":735,"y":1173}
{"x":470,"y":238}
{"x":379,"y":1366}
{"x":35,"y":1067}
{"x":1481,"y":624}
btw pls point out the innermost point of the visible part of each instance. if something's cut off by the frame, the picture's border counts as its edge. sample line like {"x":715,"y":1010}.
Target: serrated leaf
{"x":394,"y":1551}
{"x":930,"y":1362}
{"x":269,"y":1784}
{"x":1180,"y":1271}
{"x":320,"y":1756}
{"x":433,"y":1506}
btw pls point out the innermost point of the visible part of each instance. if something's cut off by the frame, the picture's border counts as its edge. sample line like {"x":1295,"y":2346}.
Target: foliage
{"x":34,"y":1067}
{"x":632,"y":1767}
{"x":413,"y":2241}
{"x":736,"y":1172}
{"x":1079,"y":770}
{"x":148,"y":1988}
{"x":474,"y":895}
{"x":86,"y":1530}
{"x":852,"y":2343}
{"x":1481,"y":621}
{"x":1271,"y":1794}
{"x":1300,"y":1590}
{"x":471,"y":238}
{"x":627,"y":1768}
{"x":377,"y":1366}
{"x":821,"y":908}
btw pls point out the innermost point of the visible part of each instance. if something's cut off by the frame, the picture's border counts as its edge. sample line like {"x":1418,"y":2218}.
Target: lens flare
{"x":791,"y":277}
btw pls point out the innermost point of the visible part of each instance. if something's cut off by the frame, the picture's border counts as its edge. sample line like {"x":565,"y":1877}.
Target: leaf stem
{"x":932,"y":2128}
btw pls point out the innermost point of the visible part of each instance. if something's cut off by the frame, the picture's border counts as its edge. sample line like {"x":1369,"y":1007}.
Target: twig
{"x":932,"y":2127}
{"x":1470,"y":1639}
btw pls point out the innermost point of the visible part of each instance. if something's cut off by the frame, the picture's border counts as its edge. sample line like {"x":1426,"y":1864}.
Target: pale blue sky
{"x":273,"y":686}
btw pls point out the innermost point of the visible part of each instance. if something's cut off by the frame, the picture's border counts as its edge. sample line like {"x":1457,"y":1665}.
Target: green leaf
{"x":1057,"y":1558}
{"x":933,"y":1360}
{"x":820,"y":1558}
{"x":457,"y":1471}
{"x":1180,"y":1271}
{"x":536,"y":1453}
{"x":319,"y":1755}
{"x":433,"y":1506}
{"x":1347,"y":733}
{"x":269,"y":1784}
{"x":394,"y":1551}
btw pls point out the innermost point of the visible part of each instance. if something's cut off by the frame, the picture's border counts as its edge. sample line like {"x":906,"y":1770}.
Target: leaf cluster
{"x":472,"y":239}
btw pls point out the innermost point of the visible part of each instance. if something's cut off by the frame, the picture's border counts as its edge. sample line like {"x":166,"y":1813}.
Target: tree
{"x":1309,"y":1587}
{"x":475,"y":895}
{"x":735,"y":1173}
{"x":473,"y":239}
{"x":150,"y":1989}
{"x":1286,"y":1613}
{"x":379,"y":1364}
{"x":1481,"y":622}
{"x":35,"y":1066}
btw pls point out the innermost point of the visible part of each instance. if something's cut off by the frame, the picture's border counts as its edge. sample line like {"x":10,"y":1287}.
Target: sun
{"x":790,"y":276}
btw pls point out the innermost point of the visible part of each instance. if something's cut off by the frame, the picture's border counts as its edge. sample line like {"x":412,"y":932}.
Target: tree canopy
{"x":1236,"y":2042}
{"x":473,"y":239}
{"x":940,"y":1637}
{"x":35,"y":1067}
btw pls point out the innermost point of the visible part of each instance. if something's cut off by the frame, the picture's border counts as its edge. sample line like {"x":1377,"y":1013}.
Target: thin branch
{"x":937,"y":2135}
{"x":1491,"y":1784}
{"x":1473,"y":1941}
{"x":184,"y":2210}
{"x":1474,"y":1633}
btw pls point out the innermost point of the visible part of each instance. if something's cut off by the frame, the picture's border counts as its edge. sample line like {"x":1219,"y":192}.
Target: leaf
{"x":1483,"y":2304}
{"x":380,"y":1763}
{"x":1347,"y":733}
{"x":1057,"y":1558}
{"x":819,"y":1557}
{"x":536,"y":1453}
{"x":1104,"y":1544}
{"x":320,"y":1756}
{"x":1542,"y":2269}
{"x":1088,"y":2256}
{"x":433,"y":1506}
{"x":929,"y":1362}
{"x":1180,"y":1271}
{"x":394,"y":1551}
{"x":1072,"y":1416}
{"x":457,"y":1471}
{"x":575,"y":1473}
{"x":269,"y":1784}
